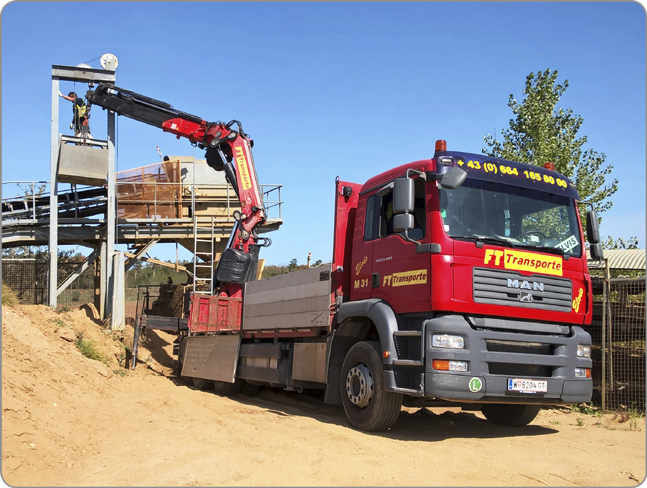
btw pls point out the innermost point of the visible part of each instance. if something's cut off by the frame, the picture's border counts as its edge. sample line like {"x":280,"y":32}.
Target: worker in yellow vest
{"x":80,"y":121}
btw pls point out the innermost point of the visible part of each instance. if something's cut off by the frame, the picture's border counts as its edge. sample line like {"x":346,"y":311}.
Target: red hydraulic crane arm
{"x":227,"y":149}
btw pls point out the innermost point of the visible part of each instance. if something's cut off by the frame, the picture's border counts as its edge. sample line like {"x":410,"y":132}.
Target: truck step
{"x":407,"y":362}
{"x":407,"y":333}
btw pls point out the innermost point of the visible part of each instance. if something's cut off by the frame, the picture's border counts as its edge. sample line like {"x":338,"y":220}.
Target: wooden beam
{"x":156,"y":261}
{"x":140,"y":252}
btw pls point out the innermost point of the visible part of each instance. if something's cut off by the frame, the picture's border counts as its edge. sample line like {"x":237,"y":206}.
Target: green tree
{"x":293,"y":265}
{"x":610,"y":243}
{"x":543,"y":132}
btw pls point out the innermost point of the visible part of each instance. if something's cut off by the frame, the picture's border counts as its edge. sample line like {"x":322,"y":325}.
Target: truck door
{"x":400,"y":276}
{"x":362,"y":255}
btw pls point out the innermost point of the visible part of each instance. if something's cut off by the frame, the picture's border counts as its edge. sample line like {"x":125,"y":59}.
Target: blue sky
{"x":335,"y":89}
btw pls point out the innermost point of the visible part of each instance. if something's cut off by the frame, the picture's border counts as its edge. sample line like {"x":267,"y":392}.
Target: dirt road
{"x":69,"y":420}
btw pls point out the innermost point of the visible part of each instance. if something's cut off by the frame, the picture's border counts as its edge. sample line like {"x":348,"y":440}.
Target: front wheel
{"x":510,"y":415}
{"x":368,"y":405}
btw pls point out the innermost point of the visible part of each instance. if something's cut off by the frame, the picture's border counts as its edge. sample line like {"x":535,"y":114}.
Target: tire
{"x":248,"y":389}
{"x":227,"y":389}
{"x":510,"y":415}
{"x":200,"y":383}
{"x":369,"y":407}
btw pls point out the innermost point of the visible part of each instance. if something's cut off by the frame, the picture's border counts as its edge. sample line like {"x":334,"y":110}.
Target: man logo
{"x":525,"y":296}
{"x":525,"y":285}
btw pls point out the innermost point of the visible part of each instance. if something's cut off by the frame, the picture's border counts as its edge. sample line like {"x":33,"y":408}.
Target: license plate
{"x":527,"y":386}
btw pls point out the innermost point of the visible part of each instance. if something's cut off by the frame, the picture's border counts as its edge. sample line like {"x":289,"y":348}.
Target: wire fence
{"x":29,"y":279}
{"x":618,"y":334}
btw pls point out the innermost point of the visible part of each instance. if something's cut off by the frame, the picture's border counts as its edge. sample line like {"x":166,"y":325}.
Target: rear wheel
{"x":510,"y":415}
{"x":200,"y":383}
{"x":249,"y":389}
{"x":368,"y":405}
{"x":227,"y":389}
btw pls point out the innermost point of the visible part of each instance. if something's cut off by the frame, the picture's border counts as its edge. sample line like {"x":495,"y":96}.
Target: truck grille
{"x":519,"y":347}
{"x":497,"y":287}
{"x":534,"y":370}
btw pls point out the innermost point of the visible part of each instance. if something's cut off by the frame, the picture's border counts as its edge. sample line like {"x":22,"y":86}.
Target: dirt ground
{"x":73,"y":421}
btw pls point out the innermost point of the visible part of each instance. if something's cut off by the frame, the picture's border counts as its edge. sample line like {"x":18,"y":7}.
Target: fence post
{"x":604,"y":342}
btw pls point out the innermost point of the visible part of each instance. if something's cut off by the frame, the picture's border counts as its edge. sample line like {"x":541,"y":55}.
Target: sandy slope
{"x":69,"y":420}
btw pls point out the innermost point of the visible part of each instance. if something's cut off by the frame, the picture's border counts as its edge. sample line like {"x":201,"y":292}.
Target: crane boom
{"x":227,"y":149}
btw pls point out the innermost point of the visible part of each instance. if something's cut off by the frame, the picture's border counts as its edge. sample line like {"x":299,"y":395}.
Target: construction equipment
{"x":229,"y":149}
{"x":460,"y":280}
{"x":457,"y":280}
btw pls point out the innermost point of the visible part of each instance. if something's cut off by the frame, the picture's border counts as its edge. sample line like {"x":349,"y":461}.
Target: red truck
{"x":460,"y":279}
{"x":457,"y":280}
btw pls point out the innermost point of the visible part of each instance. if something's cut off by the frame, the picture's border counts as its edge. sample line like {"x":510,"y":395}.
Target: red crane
{"x":228,"y":149}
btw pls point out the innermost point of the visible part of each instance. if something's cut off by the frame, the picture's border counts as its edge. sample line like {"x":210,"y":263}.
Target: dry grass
{"x":9,"y":296}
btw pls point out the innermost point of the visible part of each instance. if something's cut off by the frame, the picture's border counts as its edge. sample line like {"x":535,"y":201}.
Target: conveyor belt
{"x":88,"y":202}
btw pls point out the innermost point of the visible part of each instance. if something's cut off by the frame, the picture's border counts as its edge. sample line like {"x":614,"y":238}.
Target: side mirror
{"x":595,"y":250}
{"x":402,"y":222}
{"x":454,"y":178}
{"x":592,"y":231}
{"x":403,"y":196}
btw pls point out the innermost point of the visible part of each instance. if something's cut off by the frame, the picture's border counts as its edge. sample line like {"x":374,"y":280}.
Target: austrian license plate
{"x":527,"y":386}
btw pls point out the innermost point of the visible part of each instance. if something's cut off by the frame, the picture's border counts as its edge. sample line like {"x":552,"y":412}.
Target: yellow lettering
{"x":490,"y":253}
{"x":360,"y":265}
{"x":578,"y":300}
{"x":243,"y":171}
{"x":416,"y":277}
{"x":525,"y":261}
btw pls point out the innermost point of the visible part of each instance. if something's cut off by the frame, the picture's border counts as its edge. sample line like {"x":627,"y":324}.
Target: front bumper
{"x":496,"y":354}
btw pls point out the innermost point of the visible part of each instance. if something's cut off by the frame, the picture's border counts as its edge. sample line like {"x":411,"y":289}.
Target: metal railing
{"x":154,"y":196}
{"x":33,"y":204}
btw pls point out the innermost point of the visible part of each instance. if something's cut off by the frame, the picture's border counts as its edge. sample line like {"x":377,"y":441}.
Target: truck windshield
{"x":511,"y":216}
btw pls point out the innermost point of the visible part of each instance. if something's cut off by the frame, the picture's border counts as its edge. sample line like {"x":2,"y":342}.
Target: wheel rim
{"x":359,"y":385}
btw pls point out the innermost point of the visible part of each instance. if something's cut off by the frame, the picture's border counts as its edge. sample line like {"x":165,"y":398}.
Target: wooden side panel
{"x":299,"y":300}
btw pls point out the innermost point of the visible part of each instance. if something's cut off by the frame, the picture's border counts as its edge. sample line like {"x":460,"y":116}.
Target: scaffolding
{"x":179,"y":200}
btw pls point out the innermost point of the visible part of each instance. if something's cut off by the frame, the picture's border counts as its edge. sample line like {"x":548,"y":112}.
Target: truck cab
{"x":478,"y":290}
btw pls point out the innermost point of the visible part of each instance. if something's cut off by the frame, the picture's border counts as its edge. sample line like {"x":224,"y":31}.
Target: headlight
{"x":448,"y":341}
{"x":583,"y":351}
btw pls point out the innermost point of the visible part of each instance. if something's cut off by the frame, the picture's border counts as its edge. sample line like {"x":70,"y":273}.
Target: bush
{"x":88,"y":349}
{"x":9,"y":296}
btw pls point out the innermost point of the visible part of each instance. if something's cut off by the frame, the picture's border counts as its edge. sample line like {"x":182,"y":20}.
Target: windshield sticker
{"x":524,"y":261}
{"x":502,"y":169}
{"x":578,"y":300}
{"x":568,"y":245}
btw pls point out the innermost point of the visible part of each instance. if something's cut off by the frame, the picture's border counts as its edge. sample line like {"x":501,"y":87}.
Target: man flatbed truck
{"x":460,"y":279}
{"x":440,"y":290}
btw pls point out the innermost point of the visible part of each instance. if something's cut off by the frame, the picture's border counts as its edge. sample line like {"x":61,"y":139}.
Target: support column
{"x":111,"y":221}
{"x":53,"y":199}
{"x":103,"y":272}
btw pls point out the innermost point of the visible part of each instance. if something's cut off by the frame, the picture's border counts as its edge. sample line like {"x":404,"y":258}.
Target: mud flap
{"x":211,"y":357}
